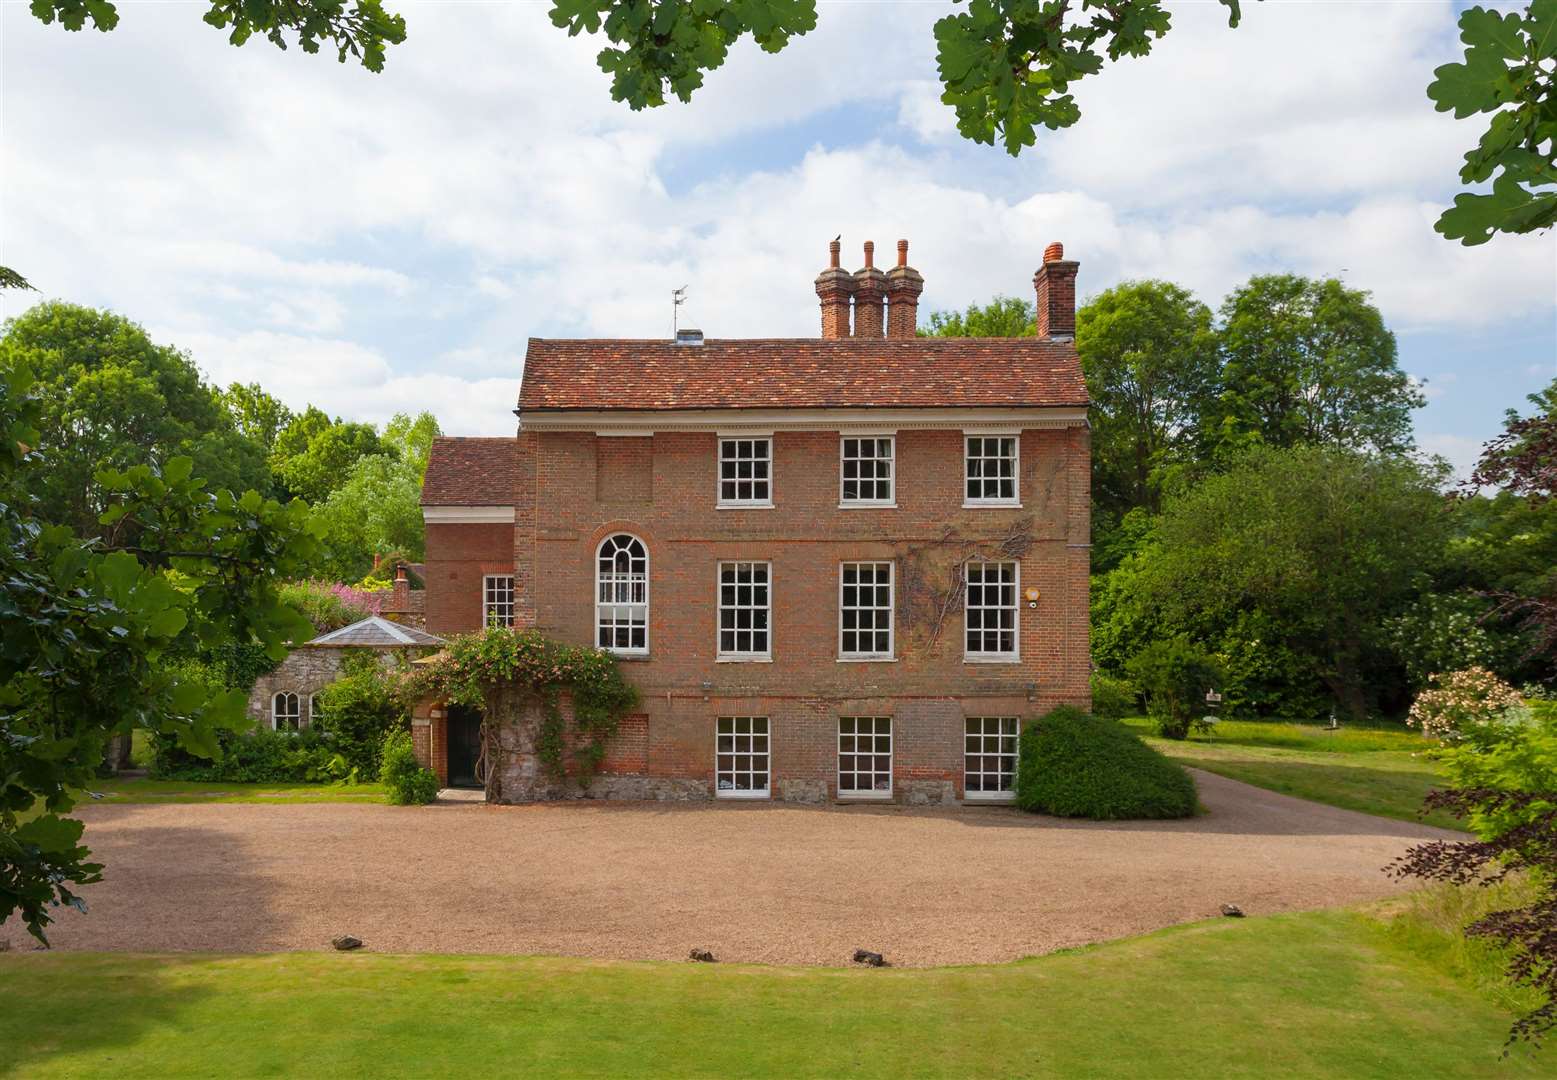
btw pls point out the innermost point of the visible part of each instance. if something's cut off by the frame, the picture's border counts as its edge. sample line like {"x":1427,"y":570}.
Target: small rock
{"x":703,"y":956}
{"x":870,"y":959}
{"x":346,"y":943}
{"x":1232,"y":911}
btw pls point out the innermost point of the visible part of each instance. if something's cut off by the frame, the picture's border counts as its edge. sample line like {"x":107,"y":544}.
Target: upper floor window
{"x":497,"y":600}
{"x":743,"y":610}
{"x":746,"y":472}
{"x":865,"y":611}
{"x":991,"y":610}
{"x":867,"y":464}
{"x":622,"y":595}
{"x":286,"y":711}
{"x":990,"y":471}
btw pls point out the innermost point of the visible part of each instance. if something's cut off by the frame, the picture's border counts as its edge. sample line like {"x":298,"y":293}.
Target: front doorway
{"x":465,"y":764}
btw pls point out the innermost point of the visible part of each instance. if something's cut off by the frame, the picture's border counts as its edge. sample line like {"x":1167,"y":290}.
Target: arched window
{"x":286,"y":711}
{"x":622,"y":595}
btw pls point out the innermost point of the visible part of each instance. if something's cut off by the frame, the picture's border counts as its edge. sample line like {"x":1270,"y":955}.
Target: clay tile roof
{"x":471,"y":472}
{"x":804,"y":373}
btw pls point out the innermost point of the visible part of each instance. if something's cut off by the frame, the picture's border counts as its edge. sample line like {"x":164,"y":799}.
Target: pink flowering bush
{"x":1468,"y":704}
{"x":330,"y":606}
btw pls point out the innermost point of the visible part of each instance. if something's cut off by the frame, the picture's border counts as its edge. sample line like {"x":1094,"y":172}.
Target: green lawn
{"x":1376,"y":770}
{"x":1324,"y":994}
{"x":190,"y":791}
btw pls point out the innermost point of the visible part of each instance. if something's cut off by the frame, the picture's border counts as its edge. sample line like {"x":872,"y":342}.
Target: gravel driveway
{"x":769,"y":883}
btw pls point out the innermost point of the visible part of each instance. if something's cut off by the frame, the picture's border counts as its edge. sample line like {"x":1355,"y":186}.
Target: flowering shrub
{"x":330,"y":605}
{"x":1468,"y":704}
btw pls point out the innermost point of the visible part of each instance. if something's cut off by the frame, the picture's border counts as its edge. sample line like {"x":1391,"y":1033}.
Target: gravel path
{"x":770,"y":883}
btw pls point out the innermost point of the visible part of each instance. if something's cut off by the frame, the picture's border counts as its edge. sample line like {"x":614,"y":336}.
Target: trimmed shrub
{"x":258,"y":757}
{"x":1175,"y":675}
{"x":359,"y":710}
{"x":407,"y":783}
{"x":1071,"y":764}
{"x":1113,"y":699}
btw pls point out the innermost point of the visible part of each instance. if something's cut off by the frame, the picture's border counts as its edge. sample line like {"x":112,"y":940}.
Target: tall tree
{"x":1310,"y":362}
{"x":1004,"y":316}
{"x":255,"y":413}
{"x":1150,"y":361}
{"x":314,"y":453}
{"x":113,"y":398}
{"x":377,"y":510}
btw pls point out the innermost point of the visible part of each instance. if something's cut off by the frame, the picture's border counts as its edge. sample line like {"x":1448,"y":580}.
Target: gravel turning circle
{"x":763,"y":883}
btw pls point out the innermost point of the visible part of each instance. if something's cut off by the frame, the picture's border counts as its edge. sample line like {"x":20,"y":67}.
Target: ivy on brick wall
{"x":499,"y":670}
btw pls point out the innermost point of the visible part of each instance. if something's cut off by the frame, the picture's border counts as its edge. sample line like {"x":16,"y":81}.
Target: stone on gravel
{"x":870,"y":959}
{"x":346,"y":943}
{"x":703,"y":956}
{"x":1232,"y":911}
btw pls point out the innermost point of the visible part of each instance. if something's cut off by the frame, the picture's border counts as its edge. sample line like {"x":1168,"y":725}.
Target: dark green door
{"x":464,"y":746}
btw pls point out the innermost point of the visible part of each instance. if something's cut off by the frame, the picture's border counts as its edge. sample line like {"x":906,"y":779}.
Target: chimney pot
{"x":835,"y":288}
{"x":1055,"y":252}
{"x":902,"y":252}
{"x":833,"y":249}
{"x":904,"y":284}
{"x":1055,"y":284}
{"x":870,"y":254}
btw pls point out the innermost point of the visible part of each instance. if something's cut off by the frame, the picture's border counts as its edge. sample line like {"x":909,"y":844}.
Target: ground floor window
{"x":741,"y":757}
{"x":286,"y":711}
{"x":989,"y":757}
{"x":865,"y":757}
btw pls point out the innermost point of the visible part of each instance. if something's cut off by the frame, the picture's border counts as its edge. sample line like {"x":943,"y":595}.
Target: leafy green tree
{"x":1150,"y":360}
{"x":1509,"y":71}
{"x":1325,"y":545}
{"x":112,"y":398}
{"x":1004,"y":316}
{"x":377,"y":510}
{"x":314,"y":454}
{"x":256,"y":414}
{"x":90,"y":630}
{"x":1308,"y":362}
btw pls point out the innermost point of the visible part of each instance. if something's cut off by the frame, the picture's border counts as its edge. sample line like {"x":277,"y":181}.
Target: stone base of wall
{"x":927,"y":792}
{"x":802,"y":791}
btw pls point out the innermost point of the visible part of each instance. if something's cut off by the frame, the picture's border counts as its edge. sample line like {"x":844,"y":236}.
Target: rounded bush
{"x":1075,"y":765}
{"x":405,"y":782}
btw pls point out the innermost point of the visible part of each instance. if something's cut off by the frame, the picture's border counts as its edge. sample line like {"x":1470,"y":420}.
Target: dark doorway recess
{"x":464,"y":746}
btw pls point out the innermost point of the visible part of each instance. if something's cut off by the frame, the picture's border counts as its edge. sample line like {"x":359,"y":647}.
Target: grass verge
{"x":117,"y":791}
{"x":1319,"y":994}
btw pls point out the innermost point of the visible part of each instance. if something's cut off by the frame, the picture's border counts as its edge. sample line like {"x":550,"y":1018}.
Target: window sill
{"x":737,"y":659}
{"x":644,"y":655}
{"x":742,"y":795}
{"x":867,"y":506}
{"x":1017,"y":659}
{"x":867,"y":659}
{"x":990,"y":799}
{"x":743,"y":506}
{"x":989,"y":504}
{"x":871,"y":797}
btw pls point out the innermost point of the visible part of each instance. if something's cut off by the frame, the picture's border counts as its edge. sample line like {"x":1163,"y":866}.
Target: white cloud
{"x":1461,"y":452}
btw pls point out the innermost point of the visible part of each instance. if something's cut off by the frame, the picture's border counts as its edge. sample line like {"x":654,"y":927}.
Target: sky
{"x":381,"y":243}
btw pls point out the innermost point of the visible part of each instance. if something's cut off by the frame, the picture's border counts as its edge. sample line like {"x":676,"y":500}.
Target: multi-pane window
{"x":867,"y":463}
{"x":741,"y":757}
{"x":622,"y":595}
{"x":990,"y":469}
{"x":991,"y":610}
{"x":746,"y":472}
{"x":865,"y":756}
{"x":865,"y":611}
{"x":497,"y":600}
{"x":313,"y":709}
{"x":286,"y":711}
{"x":744,"y":605}
{"x":989,"y":757}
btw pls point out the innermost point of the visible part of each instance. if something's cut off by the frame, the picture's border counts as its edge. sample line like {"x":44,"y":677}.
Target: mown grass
{"x":1321,"y":994}
{"x":1375,"y":770}
{"x":117,"y":790}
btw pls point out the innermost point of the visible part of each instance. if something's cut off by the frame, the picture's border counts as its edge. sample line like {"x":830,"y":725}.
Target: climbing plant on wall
{"x":503,"y":672}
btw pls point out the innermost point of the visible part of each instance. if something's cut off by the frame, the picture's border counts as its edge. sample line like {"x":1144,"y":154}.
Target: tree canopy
{"x":314,"y":453}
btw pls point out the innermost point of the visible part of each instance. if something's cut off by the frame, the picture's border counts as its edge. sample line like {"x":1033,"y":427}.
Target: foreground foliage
{"x":1074,"y":765}
{"x":1354,"y":999}
{"x":405,"y":782}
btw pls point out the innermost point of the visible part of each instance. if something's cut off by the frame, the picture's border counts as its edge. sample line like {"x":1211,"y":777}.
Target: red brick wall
{"x":587,"y":487}
{"x":458,"y":557}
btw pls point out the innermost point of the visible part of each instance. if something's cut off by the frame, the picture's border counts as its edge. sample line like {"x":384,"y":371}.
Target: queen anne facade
{"x":838,"y":568}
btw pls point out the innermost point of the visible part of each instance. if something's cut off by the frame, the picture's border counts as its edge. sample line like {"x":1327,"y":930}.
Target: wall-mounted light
{"x":1032,"y":596}
{"x":1032,"y":690}
{"x":707,"y":686}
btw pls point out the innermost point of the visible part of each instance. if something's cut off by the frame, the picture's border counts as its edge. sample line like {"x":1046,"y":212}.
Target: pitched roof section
{"x":471,"y":472}
{"x":801,"y":373}
{"x":375,"y":632}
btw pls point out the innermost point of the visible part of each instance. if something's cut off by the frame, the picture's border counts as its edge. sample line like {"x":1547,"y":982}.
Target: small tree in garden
{"x":406,"y":782}
{"x":1464,"y":705}
{"x":1174,"y":675}
{"x":360,"y":709}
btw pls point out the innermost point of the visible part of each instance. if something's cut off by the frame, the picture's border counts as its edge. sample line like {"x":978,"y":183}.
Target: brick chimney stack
{"x":834,"y":287}
{"x":870,"y":294}
{"x":402,"y":594}
{"x":1055,"y":282}
{"x":904,"y":284}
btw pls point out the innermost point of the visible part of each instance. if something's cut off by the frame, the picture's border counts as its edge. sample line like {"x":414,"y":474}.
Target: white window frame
{"x":891,"y":610}
{"x":1016,"y":467}
{"x":875,"y":735}
{"x":620,"y":650}
{"x":312,"y":698}
{"x":983,"y":735}
{"x":1015,"y":655}
{"x":491,"y":607}
{"x":296,"y":715}
{"x":846,"y":503}
{"x":722,"y":503}
{"x":735,"y":735}
{"x":723,"y":655}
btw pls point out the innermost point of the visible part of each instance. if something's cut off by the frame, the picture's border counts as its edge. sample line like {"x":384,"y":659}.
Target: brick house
{"x":837,"y":568}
